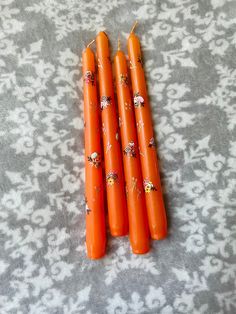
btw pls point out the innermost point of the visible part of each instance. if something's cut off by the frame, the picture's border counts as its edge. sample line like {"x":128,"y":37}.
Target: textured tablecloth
{"x":190,"y":62}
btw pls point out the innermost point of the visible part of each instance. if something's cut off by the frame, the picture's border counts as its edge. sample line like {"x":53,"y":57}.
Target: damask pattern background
{"x":189,"y":51}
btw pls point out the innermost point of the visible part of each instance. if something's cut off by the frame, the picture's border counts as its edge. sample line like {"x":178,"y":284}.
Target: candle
{"x":138,"y":226}
{"x":95,"y":214}
{"x":116,"y":200}
{"x":151,"y":178}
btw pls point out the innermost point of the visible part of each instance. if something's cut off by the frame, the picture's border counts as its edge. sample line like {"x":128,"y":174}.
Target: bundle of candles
{"x":133,"y":187}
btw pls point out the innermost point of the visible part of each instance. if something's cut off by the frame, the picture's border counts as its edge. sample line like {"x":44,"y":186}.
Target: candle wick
{"x":135,"y":24}
{"x":119,"y":42}
{"x":91,"y":42}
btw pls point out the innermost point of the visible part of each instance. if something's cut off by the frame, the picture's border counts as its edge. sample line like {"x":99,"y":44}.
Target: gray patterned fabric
{"x":189,"y":52}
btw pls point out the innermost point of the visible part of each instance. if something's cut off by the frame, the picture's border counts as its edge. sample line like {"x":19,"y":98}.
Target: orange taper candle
{"x":95,"y":214}
{"x":152,"y":183}
{"x":116,"y":200}
{"x":138,"y":225}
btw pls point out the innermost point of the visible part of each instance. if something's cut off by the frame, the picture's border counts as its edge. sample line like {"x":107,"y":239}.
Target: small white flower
{"x":94,"y":155}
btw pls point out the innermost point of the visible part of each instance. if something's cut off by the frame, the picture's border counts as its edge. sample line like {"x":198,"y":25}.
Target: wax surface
{"x":116,"y":200}
{"x":138,"y":227}
{"x":95,"y":215}
{"x":148,"y":156}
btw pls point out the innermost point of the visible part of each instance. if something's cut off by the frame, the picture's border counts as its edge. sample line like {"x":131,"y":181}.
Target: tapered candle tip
{"x":135,"y":24}
{"x":91,"y":42}
{"x":102,"y":33}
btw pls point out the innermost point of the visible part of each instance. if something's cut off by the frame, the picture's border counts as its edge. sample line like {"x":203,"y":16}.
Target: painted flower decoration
{"x":111,"y":178}
{"x":95,"y":159}
{"x":120,"y":122}
{"x":88,"y":210}
{"x":89,"y":77}
{"x":152,"y":142}
{"x":138,"y":100}
{"x":117,"y":136}
{"x":124,"y":79}
{"x":140,"y":60}
{"x":105,"y":102}
{"x":148,"y":186}
{"x":130,"y":149}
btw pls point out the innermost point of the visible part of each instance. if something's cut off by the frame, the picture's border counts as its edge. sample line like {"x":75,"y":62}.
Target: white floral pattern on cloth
{"x":188,"y":51}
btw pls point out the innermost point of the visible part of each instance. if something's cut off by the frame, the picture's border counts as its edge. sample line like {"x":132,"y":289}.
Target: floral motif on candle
{"x":93,"y":106}
{"x":95,"y":159}
{"x":140,"y":60}
{"x":88,"y":210}
{"x":104,"y":130}
{"x":89,"y":77}
{"x":120,"y":122}
{"x":97,"y":188}
{"x":138,"y":100}
{"x":152,"y":142}
{"x":124,"y":81}
{"x":131,"y":65}
{"x":128,"y":106}
{"x":139,"y":192}
{"x":148,"y":186}
{"x":105,"y":102}
{"x":111,"y":178}
{"x":140,"y":125}
{"x":140,"y":152}
{"x":109,"y":146}
{"x":99,"y":63}
{"x":134,"y":184}
{"x":130,"y":149}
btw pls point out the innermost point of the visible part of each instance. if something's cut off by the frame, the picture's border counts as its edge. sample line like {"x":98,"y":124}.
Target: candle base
{"x":140,"y":251}
{"x":95,"y":253}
